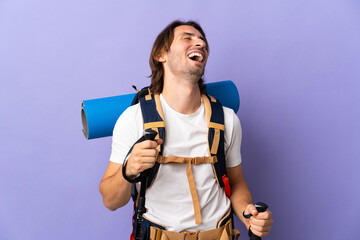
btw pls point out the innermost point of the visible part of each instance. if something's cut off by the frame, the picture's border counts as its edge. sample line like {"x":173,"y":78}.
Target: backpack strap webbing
{"x":153,"y":117}
{"x":191,"y":180}
{"x":215,"y":119}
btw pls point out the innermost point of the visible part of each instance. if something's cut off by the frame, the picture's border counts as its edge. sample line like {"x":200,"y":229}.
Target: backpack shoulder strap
{"x":153,"y":119}
{"x":215,"y":120}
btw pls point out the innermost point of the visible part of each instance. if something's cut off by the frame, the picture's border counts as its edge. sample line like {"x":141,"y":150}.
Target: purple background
{"x":296,"y":65}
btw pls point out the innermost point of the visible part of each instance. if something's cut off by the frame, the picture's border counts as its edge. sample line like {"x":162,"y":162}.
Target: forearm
{"x":115,"y":190}
{"x":240,"y":198}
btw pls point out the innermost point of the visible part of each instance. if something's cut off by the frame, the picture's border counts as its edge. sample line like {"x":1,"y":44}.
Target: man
{"x":177,"y":61}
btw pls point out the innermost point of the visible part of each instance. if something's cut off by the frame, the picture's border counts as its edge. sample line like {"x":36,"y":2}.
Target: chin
{"x":197,"y":72}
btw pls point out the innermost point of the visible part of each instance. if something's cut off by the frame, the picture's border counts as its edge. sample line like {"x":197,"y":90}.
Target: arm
{"x":240,"y":194}
{"x":115,"y":190}
{"x":241,"y":201}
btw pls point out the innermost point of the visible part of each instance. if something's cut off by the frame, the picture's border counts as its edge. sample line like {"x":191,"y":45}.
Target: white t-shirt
{"x":168,"y":200}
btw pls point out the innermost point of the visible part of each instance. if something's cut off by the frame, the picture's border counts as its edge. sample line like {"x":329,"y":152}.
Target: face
{"x":187,"y":55}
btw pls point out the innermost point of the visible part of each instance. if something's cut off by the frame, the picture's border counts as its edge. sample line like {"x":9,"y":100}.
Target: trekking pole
{"x":260,"y":207}
{"x":140,"y":232}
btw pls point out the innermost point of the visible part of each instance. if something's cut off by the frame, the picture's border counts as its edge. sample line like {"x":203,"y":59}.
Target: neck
{"x":182,"y":95}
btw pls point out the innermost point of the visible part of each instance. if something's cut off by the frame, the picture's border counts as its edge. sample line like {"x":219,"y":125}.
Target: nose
{"x":200,"y":43}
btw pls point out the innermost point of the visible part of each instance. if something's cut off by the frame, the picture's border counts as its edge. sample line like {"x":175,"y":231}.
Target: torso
{"x":168,"y":200}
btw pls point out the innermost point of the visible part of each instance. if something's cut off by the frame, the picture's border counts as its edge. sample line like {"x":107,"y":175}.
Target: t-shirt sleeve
{"x":127,"y":130}
{"x":233,"y":136}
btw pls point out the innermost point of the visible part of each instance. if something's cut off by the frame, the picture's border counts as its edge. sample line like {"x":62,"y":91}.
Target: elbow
{"x":108,"y":203}
{"x":114,"y":198}
{"x":113,"y":205}
{"x":111,"y":202}
{"x":109,"y":206}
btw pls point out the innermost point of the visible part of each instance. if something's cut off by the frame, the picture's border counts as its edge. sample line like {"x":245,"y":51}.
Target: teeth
{"x":197,"y":54}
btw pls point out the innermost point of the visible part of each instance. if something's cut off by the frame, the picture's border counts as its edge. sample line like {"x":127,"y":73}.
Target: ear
{"x":161,"y":57}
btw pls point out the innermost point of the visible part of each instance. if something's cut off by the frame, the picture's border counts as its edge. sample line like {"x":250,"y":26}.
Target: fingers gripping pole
{"x":260,"y":207}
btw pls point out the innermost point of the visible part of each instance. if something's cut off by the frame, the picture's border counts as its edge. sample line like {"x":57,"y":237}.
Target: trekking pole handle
{"x":260,"y":207}
{"x":150,"y":134}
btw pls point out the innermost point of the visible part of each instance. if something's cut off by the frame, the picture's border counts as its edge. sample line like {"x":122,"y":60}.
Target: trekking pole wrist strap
{"x":135,"y":180}
{"x":139,"y":177}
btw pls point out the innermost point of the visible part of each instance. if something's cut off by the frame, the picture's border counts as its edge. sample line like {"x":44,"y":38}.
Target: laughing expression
{"x":187,"y":55}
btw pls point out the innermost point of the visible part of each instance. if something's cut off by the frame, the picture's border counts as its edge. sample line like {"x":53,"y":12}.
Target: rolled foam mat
{"x":100,"y":115}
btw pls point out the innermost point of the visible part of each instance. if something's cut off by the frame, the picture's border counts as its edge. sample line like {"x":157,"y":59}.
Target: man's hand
{"x":260,"y":223}
{"x":142,"y":157}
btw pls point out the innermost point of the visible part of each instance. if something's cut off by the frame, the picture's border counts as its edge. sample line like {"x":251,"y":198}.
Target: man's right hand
{"x":143,"y":156}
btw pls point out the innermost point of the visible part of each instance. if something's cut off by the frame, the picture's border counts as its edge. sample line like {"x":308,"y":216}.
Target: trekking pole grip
{"x":260,"y":207}
{"x":150,"y":134}
{"x":140,"y":232}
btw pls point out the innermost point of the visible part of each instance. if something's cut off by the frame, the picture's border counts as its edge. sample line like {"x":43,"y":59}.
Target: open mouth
{"x":196,"y":56}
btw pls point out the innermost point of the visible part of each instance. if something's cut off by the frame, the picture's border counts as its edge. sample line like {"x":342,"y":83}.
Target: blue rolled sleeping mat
{"x":100,"y":115}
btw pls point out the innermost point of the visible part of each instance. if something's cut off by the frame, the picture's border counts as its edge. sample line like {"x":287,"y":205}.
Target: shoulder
{"x":232,"y":138}
{"x":129,"y":114}
{"x":130,"y":122}
{"x":231,"y":120}
{"x":228,"y":112}
{"x":128,"y":128}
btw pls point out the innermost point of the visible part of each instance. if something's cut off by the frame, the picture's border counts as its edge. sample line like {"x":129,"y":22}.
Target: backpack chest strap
{"x":189,"y":160}
{"x":190,"y":177}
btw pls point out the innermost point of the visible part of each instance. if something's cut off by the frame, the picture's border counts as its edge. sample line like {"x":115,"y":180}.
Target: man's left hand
{"x":260,"y":223}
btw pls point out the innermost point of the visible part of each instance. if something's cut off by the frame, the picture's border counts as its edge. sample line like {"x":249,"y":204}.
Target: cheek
{"x":180,"y":47}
